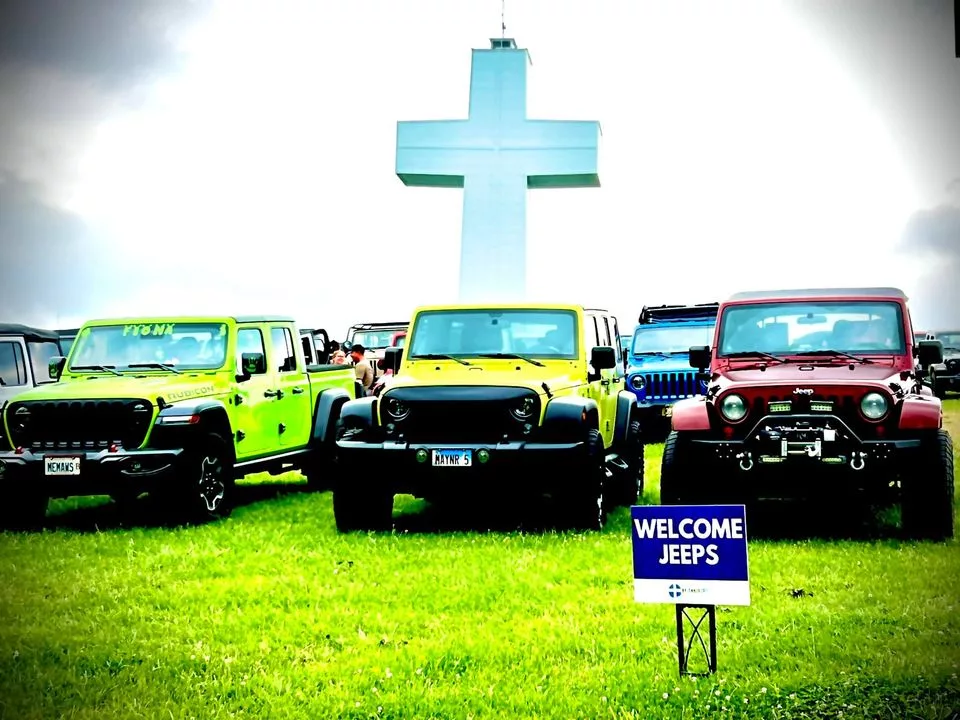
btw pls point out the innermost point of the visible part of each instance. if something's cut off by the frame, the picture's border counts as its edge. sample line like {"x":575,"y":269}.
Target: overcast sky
{"x":161,"y":157}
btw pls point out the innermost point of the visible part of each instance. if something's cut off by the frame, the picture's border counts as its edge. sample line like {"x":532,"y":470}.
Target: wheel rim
{"x":212,"y":487}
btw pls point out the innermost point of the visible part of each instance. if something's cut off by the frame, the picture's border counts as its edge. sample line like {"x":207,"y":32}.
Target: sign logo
{"x":803,"y":391}
{"x":690,"y":551}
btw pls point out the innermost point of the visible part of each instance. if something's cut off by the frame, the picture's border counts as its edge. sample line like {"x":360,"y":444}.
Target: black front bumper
{"x":805,"y":441}
{"x":948,"y":382}
{"x":100,"y":472}
{"x":408,"y":466}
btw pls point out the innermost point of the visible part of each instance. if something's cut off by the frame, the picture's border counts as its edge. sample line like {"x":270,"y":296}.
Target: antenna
{"x":503,"y":22}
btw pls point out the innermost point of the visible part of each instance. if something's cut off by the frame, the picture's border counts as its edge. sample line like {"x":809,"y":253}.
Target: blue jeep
{"x":658,"y":363}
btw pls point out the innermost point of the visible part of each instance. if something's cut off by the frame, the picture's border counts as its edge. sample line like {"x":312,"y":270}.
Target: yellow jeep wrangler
{"x":520,"y":399}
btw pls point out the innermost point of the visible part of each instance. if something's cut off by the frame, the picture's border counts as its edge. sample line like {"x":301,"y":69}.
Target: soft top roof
{"x":662,"y":314}
{"x":30,"y":333}
{"x":820,"y":293}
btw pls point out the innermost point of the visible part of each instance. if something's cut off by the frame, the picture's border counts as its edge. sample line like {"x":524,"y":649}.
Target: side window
{"x":13,"y":369}
{"x":605,"y":332}
{"x":615,"y":338}
{"x":40,"y":355}
{"x":284,"y":357}
{"x":249,"y":340}
{"x":591,"y":333}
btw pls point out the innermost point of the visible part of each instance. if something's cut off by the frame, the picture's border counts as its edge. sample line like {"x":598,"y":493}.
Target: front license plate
{"x":668,"y":411}
{"x":452,"y":458}
{"x":61,"y":465}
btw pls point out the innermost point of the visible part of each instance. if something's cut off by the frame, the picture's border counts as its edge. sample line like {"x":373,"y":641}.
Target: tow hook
{"x":746,"y":461}
{"x":858,"y":460}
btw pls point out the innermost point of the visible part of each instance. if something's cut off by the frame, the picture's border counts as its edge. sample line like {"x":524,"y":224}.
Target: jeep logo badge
{"x":803,"y":391}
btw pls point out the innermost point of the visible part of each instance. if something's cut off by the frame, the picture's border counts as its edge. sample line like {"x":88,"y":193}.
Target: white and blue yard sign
{"x":690,"y":554}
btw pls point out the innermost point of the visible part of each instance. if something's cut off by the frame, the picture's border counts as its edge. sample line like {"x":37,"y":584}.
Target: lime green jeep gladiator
{"x":510,"y":400}
{"x":177,"y":407}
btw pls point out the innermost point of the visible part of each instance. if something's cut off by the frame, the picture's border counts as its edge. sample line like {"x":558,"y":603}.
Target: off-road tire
{"x":323,"y":465}
{"x":681,"y":480}
{"x":585,"y":500}
{"x":938,"y":389}
{"x":204,"y":486}
{"x":628,"y":485}
{"x":927,"y":503}
{"x":357,"y":507}
{"x":23,"y":511}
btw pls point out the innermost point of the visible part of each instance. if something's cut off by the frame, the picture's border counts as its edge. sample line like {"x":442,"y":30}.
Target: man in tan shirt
{"x":362,"y":367}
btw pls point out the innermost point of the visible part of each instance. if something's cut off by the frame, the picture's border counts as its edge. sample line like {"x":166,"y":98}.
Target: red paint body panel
{"x":921,"y":413}
{"x":690,"y":415}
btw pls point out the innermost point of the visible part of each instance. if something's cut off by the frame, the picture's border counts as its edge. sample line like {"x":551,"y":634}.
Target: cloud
{"x":115,"y":41}
{"x":52,"y":263}
{"x":933,"y":236}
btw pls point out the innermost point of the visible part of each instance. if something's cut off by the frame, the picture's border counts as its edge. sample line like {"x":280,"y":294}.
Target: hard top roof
{"x":663,"y":314}
{"x":192,"y":318}
{"x":820,"y":293}
{"x":30,"y":333}
{"x":380,"y":325}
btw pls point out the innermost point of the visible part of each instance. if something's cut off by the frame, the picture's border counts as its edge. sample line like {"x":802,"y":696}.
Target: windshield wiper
{"x":512,"y":356}
{"x":754,"y":354}
{"x":652,"y":352}
{"x":438,"y":356}
{"x":156,"y":366}
{"x":834,"y":353}
{"x":101,"y":368}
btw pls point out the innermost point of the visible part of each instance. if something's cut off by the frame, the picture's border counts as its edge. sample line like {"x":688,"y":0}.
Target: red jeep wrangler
{"x":814,"y":393}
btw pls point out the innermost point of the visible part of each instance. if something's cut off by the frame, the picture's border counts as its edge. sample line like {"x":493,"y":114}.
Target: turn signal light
{"x":19,"y":451}
{"x":112,"y":448}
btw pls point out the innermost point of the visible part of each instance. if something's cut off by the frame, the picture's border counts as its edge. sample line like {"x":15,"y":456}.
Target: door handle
{"x":298,"y":391}
{"x":604,"y":382}
{"x":273,"y":393}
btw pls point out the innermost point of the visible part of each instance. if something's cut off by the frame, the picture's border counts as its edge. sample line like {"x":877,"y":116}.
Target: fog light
{"x":483,"y":455}
{"x":422,"y":455}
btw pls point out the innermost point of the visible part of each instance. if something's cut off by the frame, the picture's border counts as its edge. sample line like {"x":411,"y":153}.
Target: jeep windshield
{"x":949,"y":340}
{"x":654,"y":340}
{"x":830,"y":330}
{"x":374,"y":339}
{"x":507,"y":334}
{"x":151,"y":345}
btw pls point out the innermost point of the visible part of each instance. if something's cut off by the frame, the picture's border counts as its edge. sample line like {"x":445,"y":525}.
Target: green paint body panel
{"x":261,"y":423}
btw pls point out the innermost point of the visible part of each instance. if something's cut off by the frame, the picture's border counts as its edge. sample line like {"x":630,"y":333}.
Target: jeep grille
{"x":471,"y":416}
{"x":79,"y":424}
{"x":672,"y":386}
{"x":846,"y":407}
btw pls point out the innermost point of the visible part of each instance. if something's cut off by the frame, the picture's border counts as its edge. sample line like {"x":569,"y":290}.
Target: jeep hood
{"x":100,"y":387}
{"x":825,"y":374}
{"x":507,"y":377}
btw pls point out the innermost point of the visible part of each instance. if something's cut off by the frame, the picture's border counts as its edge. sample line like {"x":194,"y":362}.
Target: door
{"x":14,"y":371}
{"x":254,"y":431}
{"x":593,"y":389}
{"x":293,"y":415}
{"x":609,"y":381}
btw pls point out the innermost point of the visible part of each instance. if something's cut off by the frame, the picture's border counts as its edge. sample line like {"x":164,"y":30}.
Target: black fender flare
{"x":327,"y":410}
{"x":569,"y":416}
{"x":626,"y":403}
{"x":175,"y":425}
{"x":360,"y":414}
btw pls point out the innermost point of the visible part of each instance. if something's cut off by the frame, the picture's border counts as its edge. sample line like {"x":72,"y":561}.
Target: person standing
{"x":362,"y":367}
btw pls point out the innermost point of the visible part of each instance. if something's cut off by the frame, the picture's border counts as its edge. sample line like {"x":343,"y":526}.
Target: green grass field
{"x":272,"y":614}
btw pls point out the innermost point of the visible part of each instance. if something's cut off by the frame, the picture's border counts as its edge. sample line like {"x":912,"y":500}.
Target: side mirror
{"x":392,"y":357}
{"x":55,"y":368}
{"x":700,"y":357}
{"x":603,"y":358}
{"x":251,"y":364}
{"x":929,"y":352}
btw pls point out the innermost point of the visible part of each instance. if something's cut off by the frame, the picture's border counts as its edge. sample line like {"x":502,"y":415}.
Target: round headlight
{"x":733,"y":408}
{"x":395,"y":409}
{"x":874,"y":406}
{"x":524,"y":409}
{"x":637,"y":382}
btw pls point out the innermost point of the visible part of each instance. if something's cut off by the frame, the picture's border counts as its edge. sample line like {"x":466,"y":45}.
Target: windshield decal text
{"x":153,"y":330}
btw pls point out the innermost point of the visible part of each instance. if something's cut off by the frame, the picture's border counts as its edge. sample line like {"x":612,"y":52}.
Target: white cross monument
{"x":495,"y":156}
